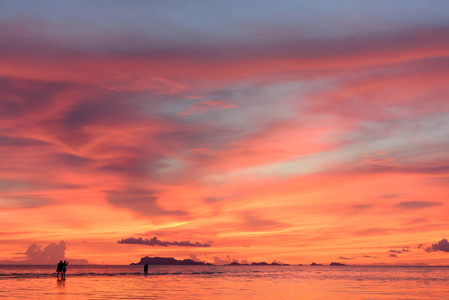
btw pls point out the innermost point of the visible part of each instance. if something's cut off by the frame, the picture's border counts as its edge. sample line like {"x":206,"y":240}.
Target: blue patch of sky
{"x":257,"y":105}
{"x":208,"y":21}
{"x":408,"y":140}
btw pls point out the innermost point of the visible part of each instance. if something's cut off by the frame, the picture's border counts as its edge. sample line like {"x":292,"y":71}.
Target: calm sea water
{"x":225,"y":282}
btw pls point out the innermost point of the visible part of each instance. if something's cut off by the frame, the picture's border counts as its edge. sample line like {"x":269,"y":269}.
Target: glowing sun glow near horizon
{"x":224,"y":131}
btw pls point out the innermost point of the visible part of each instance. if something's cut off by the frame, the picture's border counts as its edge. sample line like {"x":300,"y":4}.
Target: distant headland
{"x":170,"y":261}
{"x":331,"y":264}
{"x":338,"y":264}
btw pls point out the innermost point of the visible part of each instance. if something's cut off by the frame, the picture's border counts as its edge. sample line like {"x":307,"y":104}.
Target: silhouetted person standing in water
{"x":145,"y":268}
{"x":59,"y":268}
{"x":64,"y":268}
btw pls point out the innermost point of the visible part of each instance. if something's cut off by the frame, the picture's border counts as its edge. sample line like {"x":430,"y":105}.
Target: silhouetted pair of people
{"x":62,"y":268}
{"x":145,"y":268}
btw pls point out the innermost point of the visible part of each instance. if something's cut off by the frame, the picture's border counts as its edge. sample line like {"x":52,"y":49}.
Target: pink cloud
{"x":297,"y":136}
{"x":207,"y":105}
{"x":129,"y":83}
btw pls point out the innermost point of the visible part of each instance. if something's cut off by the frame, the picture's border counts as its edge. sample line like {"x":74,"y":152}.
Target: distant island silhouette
{"x":337,"y":264}
{"x":170,"y":261}
{"x":331,"y":264}
{"x":257,"y":264}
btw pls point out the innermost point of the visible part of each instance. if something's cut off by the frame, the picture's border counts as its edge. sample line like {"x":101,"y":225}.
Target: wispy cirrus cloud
{"x":128,"y":83}
{"x":140,"y":201}
{"x":206,"y":105}
{"x":417,"y":204}
{"x":265,"y":134}
{"x":346,"y":258}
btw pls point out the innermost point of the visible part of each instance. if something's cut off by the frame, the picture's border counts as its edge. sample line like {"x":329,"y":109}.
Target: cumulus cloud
{"x":154,"y":241}
{"x":195,"y":258}
{"x":277,"y":262}
{"x":442,"y":245}
{"x":228,"y":260}
{"x":49,"y":254}
{"x":219,"y":261}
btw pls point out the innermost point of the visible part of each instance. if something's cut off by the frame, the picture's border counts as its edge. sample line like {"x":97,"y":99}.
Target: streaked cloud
{"x":346,"y":258}
{"x":203,"y":106}
{"x":417,"y":204}
{"x":271,"y":131}
{"x":140,"y":201}
{"x":156,"y":242}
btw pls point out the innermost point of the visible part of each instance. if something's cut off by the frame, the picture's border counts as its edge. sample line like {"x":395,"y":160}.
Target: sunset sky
{"x":295,"y":131}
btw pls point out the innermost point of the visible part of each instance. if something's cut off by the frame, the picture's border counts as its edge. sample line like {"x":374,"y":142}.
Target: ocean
{"x":225,"y":282}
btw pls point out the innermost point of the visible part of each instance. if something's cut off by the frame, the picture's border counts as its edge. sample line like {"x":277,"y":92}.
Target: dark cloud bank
{"x":156,"y":242}
{"x":442,"y":245}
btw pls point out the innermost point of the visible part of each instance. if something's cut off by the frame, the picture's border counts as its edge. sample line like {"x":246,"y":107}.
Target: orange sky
{"x":260,"y":136}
